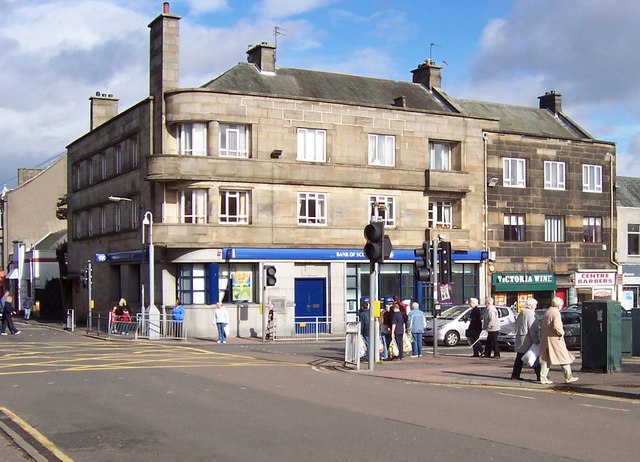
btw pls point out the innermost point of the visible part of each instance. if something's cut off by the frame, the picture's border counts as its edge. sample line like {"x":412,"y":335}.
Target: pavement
{"x":445,"y":368}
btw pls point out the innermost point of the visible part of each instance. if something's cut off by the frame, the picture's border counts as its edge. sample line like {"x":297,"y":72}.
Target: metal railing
{"x":312,"y":328}
{"x":160,"y":327}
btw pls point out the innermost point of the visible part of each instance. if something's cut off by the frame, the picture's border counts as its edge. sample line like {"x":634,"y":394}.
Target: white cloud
{"x":287,"y":8}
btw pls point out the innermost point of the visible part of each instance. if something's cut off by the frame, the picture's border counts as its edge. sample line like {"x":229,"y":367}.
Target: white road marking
{"x":605,"y":408}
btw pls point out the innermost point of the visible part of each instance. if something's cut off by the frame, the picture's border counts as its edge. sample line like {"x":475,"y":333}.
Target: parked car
{"x":571,"y":322}
{"x":452,"y":324}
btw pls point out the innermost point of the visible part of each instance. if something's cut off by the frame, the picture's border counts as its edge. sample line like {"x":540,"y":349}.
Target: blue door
{"x":310,"y":296}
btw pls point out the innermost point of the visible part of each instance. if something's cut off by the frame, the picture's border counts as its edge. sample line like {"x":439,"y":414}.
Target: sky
{"x":55,"y":54}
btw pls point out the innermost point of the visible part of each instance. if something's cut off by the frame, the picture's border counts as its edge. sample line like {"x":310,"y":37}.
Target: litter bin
{"x":635,"y":331}
{"x":627,"y":341}
{"x":601,"y":349}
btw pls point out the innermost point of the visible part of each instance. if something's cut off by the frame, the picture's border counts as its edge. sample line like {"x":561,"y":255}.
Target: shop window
{"x":192,"y":284}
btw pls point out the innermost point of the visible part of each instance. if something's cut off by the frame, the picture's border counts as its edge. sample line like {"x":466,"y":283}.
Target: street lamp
{"x":148,"y":221}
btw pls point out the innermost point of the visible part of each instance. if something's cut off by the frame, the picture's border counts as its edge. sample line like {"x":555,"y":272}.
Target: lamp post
{"x":153,"y":315}
{"x":148,"y":221}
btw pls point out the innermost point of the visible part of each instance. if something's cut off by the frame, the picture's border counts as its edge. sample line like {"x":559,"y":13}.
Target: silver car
{"x":453,"y":323}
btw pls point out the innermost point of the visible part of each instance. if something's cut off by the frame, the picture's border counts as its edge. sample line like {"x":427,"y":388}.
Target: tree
{"x":61,"y":208}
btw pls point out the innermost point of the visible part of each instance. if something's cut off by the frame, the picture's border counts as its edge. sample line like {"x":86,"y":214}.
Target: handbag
{"x":531,"y":356}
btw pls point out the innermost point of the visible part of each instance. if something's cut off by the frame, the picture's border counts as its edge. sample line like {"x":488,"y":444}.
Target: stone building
{"x":282,"y":166}
{"x":628,"y":248}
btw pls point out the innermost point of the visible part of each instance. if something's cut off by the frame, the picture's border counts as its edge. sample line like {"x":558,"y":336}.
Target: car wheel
{"x":451,"y":338}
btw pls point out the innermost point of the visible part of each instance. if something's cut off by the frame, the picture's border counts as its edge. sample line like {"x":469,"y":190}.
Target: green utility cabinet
{"x":601,"y":349}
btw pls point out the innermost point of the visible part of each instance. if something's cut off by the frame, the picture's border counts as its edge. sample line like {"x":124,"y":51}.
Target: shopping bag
{"x":226,"y":329}
{"x":406,"y":343}
{"x":363,"y":347}
{"x":531,"y":356}
{"x":393,"y":349}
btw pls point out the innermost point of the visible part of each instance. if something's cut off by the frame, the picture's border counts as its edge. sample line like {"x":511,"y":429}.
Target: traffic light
{"x":374,"y":248}
{"x":270,"y":275}
{"x":84,"y":278}
{"x":423,"y":266}
{"x":444,"y":270}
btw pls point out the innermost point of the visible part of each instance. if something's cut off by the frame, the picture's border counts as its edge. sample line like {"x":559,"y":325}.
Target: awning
{"x":13,"y":274}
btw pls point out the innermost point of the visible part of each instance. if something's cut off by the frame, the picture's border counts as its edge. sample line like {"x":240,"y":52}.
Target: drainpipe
{"x":485,"y":224}
{"x":611,"y":226}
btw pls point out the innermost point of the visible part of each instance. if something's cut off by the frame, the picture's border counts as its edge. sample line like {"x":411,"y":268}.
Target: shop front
{"x":590,"y":285}
{"x":513,"y":289}
{"x":630,"y":286}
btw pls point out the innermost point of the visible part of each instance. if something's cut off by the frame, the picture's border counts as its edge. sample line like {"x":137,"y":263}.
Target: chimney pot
{"x":165,"y":8}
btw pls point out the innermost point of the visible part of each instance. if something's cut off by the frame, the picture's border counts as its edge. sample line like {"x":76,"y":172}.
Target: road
{"x":87,"y":399}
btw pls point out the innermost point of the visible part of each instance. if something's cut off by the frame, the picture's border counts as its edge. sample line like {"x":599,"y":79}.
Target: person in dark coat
{"x":398,"y":327}
{"x":365,"y":324}
{"x":7,"y":311}
{"x":475,"y":328}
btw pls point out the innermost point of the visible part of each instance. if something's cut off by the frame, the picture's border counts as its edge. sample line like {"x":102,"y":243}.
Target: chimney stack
{"x":102,"y":108}
{"x":263,"y":56}
{"x":428,"y":74}
{"x":551,"y":101}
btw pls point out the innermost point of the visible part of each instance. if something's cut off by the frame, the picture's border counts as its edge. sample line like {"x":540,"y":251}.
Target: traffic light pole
{"x":373,"y":341}
{"x":89,"y":293}
{"x":434,"y":280}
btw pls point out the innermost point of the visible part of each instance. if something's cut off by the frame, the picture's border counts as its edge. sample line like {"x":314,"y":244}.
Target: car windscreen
{"x":453,"y":312}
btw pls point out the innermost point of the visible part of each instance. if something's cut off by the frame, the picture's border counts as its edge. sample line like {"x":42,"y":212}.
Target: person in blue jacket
{"x":178,"y":315}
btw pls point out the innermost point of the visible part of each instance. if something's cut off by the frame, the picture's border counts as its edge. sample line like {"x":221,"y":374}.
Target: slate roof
{"x":245,"y":78}
{"x":628,"y":191}
{"x":52,"y":240}
{"x":525,"y":120}
{"x":325,"y":86}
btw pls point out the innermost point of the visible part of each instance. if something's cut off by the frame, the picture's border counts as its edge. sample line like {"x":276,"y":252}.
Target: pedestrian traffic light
{"x":444,"y":268}
{"x":423,"y":267}
{"x":270,"y":275}
{"x":374,"y":248}
{"x":84,"y":278}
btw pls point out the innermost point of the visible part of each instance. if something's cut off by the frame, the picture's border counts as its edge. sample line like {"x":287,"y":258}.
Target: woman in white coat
{"x":221,"y":319}
{"x":526,"y":335}
{"x":553,"y":349}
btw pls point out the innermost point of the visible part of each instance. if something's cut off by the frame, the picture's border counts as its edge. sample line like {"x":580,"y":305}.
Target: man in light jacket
{"x":416,"y":325}
{"x":491,"y":324}
{"x":526,"y":335}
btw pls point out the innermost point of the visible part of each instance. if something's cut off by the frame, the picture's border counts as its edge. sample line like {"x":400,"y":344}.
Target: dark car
{"x":571,"y":322}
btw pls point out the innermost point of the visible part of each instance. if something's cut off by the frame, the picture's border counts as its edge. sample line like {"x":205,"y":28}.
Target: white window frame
{"x":77,"y":220}
{"x":440,"y":155}
{"x":90,"y":223}
{"x":118,"y":159}
{"x":514,"y":172}
{"x":239,"y":201}
{"x":191,"y":139}
{"x":554,"y":175}
{"x":311,"y":145}
{"x":103,"y":166}
{"x":554,"y":228}
{"x":382,"y":150}
{"x":135,"y":152}
{"x":388,"y":215}
{"x":90,"y":171}
{"x":233,"y":140}
{"x":193,"y":206}
{"x":135,"y":214}
{"x":441,"y":214}
{"x":103,"y":220}
{"x":592,"y":230}
{"x":118,"y":216}
{"x":592,"y":178}
{"x":312,"y":202}
{"x":633,"y":232}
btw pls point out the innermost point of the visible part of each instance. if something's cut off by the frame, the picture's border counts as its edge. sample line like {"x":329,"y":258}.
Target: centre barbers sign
{"x":595,"y":278}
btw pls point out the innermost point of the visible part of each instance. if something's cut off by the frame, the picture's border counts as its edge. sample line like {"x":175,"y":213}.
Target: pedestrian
{"x":416,"y":326}
{"x":491,"y":324}
{"x":385,"y":332}
{"x":4,"y":298}
{"x":475,"y":328}
{"x":526,"y":335}
{"x":114,"y":318}
{"x":363,"y":316}
{"x":7,"y":320}
{"x":221,"y":320}
{"x":553,"y":349}
{"x":398,"y":328}
{"x":177,"y":315}
{"x":28,"y":305}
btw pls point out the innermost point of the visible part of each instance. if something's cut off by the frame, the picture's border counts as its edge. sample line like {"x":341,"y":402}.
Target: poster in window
{"x":241,"y":285}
